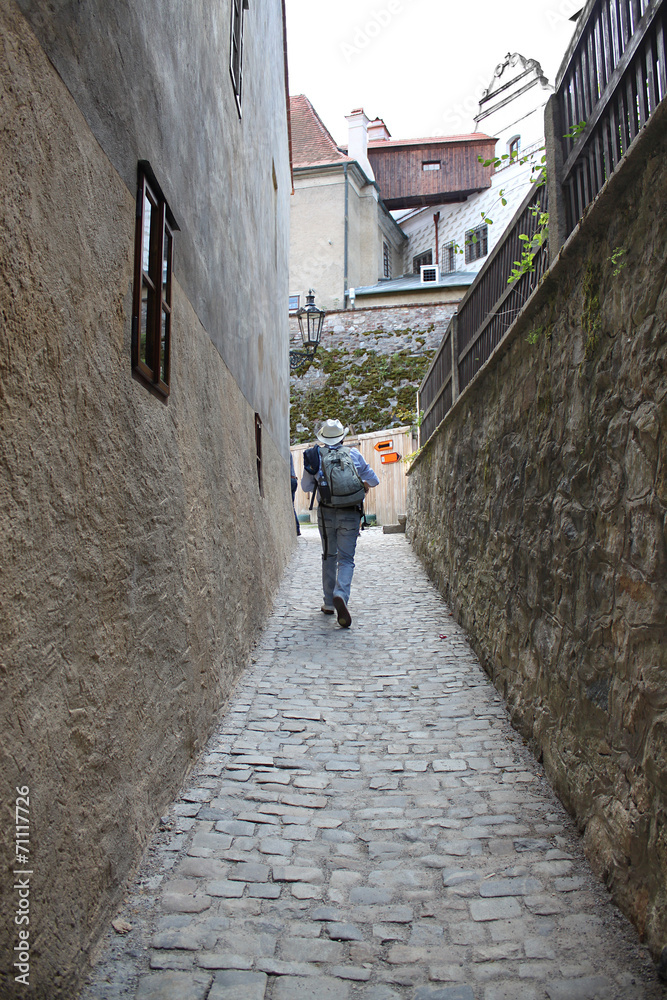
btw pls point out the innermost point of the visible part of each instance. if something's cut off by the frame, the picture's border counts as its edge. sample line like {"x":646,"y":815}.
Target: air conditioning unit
{"x":430,"y":274}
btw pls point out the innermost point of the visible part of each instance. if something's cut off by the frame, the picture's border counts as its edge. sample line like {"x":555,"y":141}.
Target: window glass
{"x":421,"y":259}
{"x":164,"y":346}
{"x":151,"y":304}
{"x":146,"y":240}
{"x":476,"y":243}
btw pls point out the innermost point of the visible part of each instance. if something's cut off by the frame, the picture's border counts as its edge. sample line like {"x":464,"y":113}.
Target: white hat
{"x":332,"y":432}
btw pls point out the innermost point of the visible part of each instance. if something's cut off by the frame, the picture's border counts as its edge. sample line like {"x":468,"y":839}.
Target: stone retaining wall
{"x":368,"y":369}
{"x":386,"y":329}
{"x":539,"y":508}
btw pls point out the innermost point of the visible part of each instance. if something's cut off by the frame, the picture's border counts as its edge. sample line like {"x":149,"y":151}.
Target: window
{"x":151,"y":306}
{"x":258,"y":451}
{"x":477,"y":243}
{"x":236,"y":49}
{"x":294,"y":303}
{"x":513,"y":147}
{"x":448,"y":258}
{"x":421,"y":259}
{"x":386,"y":260}
{"x":431,"y":165}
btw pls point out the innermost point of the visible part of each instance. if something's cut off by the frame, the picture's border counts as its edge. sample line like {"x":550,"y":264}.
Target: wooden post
{"x":553,"y":134}
{"x":454,"y":344}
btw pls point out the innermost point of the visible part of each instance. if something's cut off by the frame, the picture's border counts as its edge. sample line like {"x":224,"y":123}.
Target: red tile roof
{"x":312,"y":143}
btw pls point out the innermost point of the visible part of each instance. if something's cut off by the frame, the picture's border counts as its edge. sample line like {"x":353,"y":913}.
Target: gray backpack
{"x":344,"y":487}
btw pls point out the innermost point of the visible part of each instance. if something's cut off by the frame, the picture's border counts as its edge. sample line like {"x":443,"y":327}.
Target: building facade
{"x":458,"y":235}
{"x":144,"y":457}
{"x":342,"y":235}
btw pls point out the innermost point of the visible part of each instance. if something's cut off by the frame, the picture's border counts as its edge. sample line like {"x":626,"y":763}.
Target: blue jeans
{"x":339,"y":530}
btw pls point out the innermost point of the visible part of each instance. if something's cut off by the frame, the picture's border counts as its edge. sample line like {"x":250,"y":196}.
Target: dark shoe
{"x":344,"y":616}
{"x":326,"y":609}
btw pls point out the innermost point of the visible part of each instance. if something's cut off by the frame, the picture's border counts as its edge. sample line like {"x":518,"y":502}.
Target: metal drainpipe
{"x":345,"y":242}
{"x":436,"y":217}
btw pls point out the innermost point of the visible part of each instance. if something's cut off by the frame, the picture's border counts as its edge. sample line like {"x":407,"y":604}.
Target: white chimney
{"x":357,"y":140}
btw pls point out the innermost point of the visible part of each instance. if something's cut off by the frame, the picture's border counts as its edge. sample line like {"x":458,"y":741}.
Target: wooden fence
{"x":485,"y":313}
{"x":613,"y":78}
{"x":387,"y":500}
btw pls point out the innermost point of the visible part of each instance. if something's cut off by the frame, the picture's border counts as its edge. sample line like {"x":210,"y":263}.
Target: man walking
{"x":341,"y":477}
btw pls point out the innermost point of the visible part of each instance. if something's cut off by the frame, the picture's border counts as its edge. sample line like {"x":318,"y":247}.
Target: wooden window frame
{"x":153,"y":279}
{"x":258,"y":452}
{"x":236,"y":49}
{"x":477,"y":243}
{"x":386,"y":259}
{"x":428,"y":165}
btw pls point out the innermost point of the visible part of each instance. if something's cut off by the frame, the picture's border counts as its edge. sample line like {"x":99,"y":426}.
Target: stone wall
{"x":368,"y":369}
{"x":139,"y":559}
{"x":539,"y":508}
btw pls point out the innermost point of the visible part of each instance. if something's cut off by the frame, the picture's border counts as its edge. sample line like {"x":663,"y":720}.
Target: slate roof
{"x":312,"y":143}
{"x":413,"y":283}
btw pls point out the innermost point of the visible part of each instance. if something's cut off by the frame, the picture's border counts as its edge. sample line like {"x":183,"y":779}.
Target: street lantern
{"x":310,"y":325}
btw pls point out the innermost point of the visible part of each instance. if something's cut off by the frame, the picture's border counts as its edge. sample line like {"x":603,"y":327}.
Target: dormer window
{"x":513,"y":147}
{"x":431,"y":165}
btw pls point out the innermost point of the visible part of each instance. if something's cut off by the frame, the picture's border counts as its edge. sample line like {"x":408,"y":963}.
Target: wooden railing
{"x":615,"y":77}
{"x":485,"y":313}
{"x":436,"y":392}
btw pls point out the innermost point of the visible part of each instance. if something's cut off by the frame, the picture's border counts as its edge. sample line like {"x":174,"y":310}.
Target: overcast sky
{"x":421,"y":65}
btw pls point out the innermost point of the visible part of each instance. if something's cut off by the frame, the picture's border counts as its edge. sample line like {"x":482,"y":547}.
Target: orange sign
{"x":389,"y":456}
{"x":384,"y":445}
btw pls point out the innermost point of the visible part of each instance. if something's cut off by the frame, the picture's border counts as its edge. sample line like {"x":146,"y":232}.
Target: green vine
{"x":538,"y":176}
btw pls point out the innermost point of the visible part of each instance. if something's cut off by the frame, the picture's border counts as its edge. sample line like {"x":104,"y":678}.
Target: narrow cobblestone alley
{"x":365,"y":824}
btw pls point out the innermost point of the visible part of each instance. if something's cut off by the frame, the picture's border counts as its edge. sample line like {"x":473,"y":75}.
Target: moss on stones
{"x":590,"y":316}
{"x":376,"y":395}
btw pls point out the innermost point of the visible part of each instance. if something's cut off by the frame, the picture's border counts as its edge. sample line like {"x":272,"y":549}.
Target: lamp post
{"x":310,"y":325}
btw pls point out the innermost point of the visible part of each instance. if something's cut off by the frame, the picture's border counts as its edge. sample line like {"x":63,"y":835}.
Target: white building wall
{"x":523,"y":116}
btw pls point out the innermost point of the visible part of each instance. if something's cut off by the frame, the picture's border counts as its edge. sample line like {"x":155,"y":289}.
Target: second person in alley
{"x":342,"y":477}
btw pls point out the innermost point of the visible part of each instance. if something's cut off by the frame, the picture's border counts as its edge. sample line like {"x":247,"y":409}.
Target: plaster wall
{"x":364,"y":233}
{"x":539,"y":507}
{"x":139,"y":557}
{"x":509,"y":184}
{"x":317,"y":240}
{"x":152,"y":81}
{"x":523,"y":116}
{"x":446,"y":295}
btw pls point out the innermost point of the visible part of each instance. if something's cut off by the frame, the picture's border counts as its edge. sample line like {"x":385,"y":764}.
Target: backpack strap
{"x":311,"y":460}
{"x":311,"y":463}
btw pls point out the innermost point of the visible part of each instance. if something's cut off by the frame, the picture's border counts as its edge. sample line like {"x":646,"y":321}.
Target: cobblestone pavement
{"x":365,"y":823}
